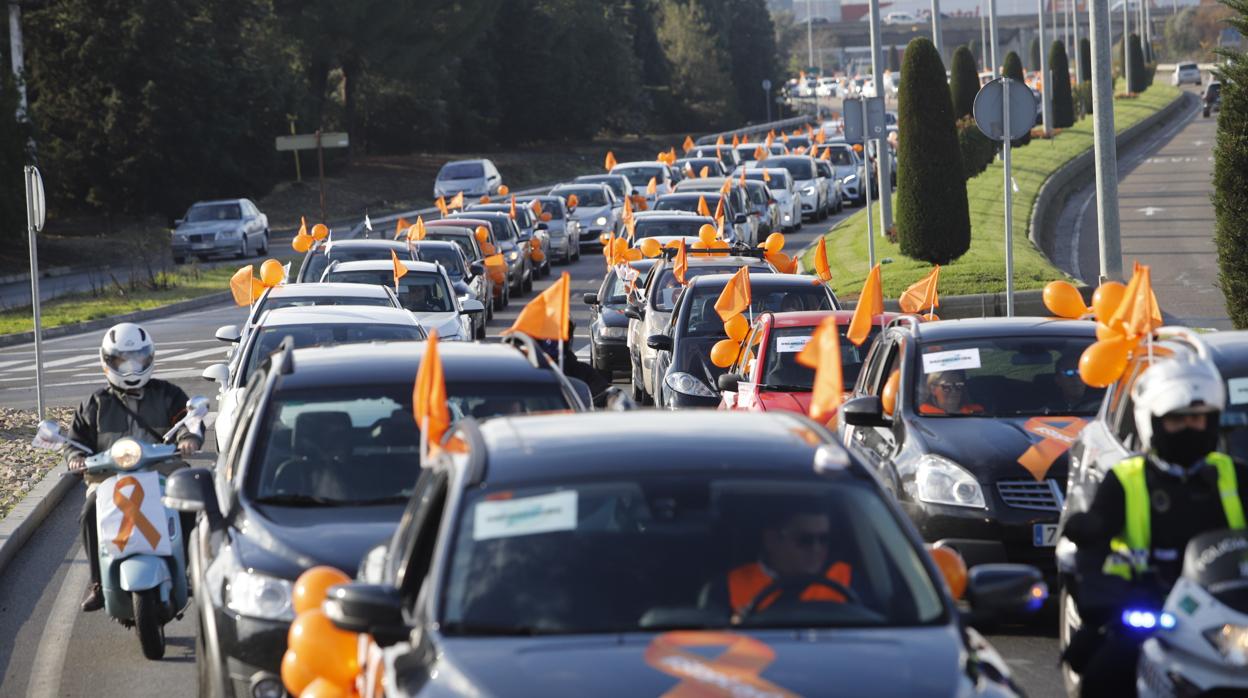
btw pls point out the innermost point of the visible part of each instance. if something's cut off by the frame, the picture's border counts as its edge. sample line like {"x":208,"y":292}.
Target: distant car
{"x":316,"y":259}
{"x":747,"y":152}
{"x":620,"y":185}
{"x":425,"y":291}
{"x":1185,"y":73}
{"x":529,"y":228}
{"x":563,"y":229}
{"x":780,"y":183}
{"x":736,"y":220}
{"x":899,"y":18}
{"x":849,"y":168}
{"x":692,"y":167}
{"x":464,"y":235}
{"x":608,"y":326}
{"x":229,"y":227}
{"x":669,"y":225}
{"x":475,"y":178}
{"x":506,"y":239}
{"x":468,"y":279}
{"x":812,"y":190}
{"x":640,"y":174}
{"x":744,"y":227}
{"x":763,"y":207}
{"x":1212,"y":98}
{"x":597,"y":211}
{"x":726,"y":154}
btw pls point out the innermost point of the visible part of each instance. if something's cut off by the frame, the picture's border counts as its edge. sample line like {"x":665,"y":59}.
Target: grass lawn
{"x":982,"y":268}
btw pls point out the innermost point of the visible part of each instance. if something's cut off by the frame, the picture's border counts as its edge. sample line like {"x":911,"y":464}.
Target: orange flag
{"x":1138,"y":312}
{"x":766,"y":176}
{"x":827,"y":154}
{"x":680,"y":265}
{"x":822,"y":269}
{"x":688,"y":145}
{"x":702,"y":173}
{"x":609,"y":162}
{"x":399,"y":270}
{"x":652,"y":187}
{"x":537,"y":207}
{"x":626,"y":215}
{"x":457,"y":201}
{"x":870,"y":304}
{"x":743,"y":176}
{"x":771,"y":136}
{"x":671,"y":154}
{"x":719,"y":210}
{"x":441,"y":204}
{"x":703,"y":209}
{"x":921,"y":294}
{"x":760,"y":153}
{"x":727,"y":186}
{"x":820,"y":137}
{"x":736,"y":140}
{"x":417,"y":232}
{"x":823,"y":353}
{"x":433,"y":418}
{"x":303,"y":227}
{"x":512,"y":212}
{"x":400,"y":227}
{"x":735,"y":298}
{"x":245,"y":287}
{"x":547,"y":315}
{"x":719,"y":141}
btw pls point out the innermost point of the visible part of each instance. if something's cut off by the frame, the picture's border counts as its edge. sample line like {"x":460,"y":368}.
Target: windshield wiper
{"x":478,"y":629}
{"x":297,"y":500}
{"x":781,"y":388}
{"x":374,"y":501}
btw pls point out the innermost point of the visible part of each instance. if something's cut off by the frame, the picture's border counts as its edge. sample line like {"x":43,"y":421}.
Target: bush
{"x":1083,"y":93}
{"x":963,"y":82}
{"x":1059,"y":80}
{"x":1135,"y":54}
{"x":1230,"y":176}
{"x":933,"y":218}
{"x":1085,"y":62}
{"x":978,"y":150}
{"x":1013,"y":68}
{"x":1033,"y":54}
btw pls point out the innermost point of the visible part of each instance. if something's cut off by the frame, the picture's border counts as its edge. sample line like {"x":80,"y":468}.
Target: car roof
{"x":772,"y":279}
{"x":336,"y":315}
{"x":671,"y":216}
{"x":481,"y":215}
{"x":683,"y":195}
{"x":219,"y":201}
{"x":1229,"y":351}
{"x":388,"y":265}
{"x":472,"y":161}
{"x":564,"y":186}
{"x":363,"y":242}
{"x":946,"y":330}
{"x":462,"y":226}
{"x":599,"y":177}
{"x":638,"y":163}
{"x":810,"y":318}
{"x":787,"y":158}
{"x":446,"y":244}
{"x":397,"y":362}
{"x":331,"y":289}
{"x":540,"y":447}
{"x":711,"y":259}
{"x":707,"y":182}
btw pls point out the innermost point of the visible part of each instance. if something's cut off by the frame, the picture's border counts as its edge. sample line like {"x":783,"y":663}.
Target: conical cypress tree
{"x":977,"y":51}
{"x":1013,"y":68}
{"x":1059,"y":79}
{"x":933,"y":218}
{"x":894,"y":63}
{"x":1085,"y":60}
{"x":1230,"y":176}
{"x":1139,"y":81}
{"x":963,"y":82}
{"x":1033,"y":54}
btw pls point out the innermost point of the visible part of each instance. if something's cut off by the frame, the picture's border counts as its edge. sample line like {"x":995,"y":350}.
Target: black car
{"x":464,"y":235}
{"x":975,"y":446}
{"x":608,"y":327}
{"x":318,"y":468}
{"x":507,"y":234}
{"x":687,"y":378}
{"x":527,"y":223}
{"x":317,"y":259}
{"x":558,"y":556}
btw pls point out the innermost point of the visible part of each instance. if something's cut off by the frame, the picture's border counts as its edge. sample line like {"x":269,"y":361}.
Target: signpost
{"x":1005,"y":112}
{"x":863,"y":120}
{"x":767,"y":96}
{"x":319,"y":141}
{"x":36,"y":214}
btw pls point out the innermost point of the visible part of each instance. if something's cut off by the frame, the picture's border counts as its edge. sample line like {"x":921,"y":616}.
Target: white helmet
{"x":1182,"y":384}
{"x":127,"y":355}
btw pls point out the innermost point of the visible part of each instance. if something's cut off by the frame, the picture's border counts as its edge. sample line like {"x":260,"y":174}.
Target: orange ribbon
{"x":1056,"y":435}
{"x":735,"y":672}
{"x":132,"y":514}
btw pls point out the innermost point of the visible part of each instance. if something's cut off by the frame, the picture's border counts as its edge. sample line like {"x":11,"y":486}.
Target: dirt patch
{"x":22,"y":466}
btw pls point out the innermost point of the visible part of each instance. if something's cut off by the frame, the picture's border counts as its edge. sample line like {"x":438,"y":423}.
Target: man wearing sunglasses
{"x":947,"y":395}
{"x":1074,"y":396}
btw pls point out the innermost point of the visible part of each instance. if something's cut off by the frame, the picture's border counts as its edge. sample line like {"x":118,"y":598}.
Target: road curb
{"x":8,"y":340}
{"x":27,"y":515}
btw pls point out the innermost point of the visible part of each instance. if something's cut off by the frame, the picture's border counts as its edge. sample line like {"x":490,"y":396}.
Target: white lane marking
{"x":85,"y":360}
{"x":10,"y":363}
{"x":45,"y":673}
{"x":1150,"y":210}
{"x":218,"y":351}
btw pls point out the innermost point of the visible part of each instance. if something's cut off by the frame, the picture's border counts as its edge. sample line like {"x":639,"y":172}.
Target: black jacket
{"x":103,"y":419}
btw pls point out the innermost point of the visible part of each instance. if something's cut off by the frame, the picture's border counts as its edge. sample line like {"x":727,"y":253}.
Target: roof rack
{"x":911,"y":321}
{"x":1184,"y":335}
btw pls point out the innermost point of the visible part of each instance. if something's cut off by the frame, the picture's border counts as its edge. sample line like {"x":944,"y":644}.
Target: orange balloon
{"x":725,"y":352}
{"x":312,"y":586}
{"x":774,"y":243}
{"x":537,"y":255}
{"x":736,"y":328}
{"x":673,"y":244}
{"x":302,"y":243}
{"x":1106,"y":299}
{"x":650,"y":247}
{"x":503,"y":190}
{"x":1103,"y":362}
{"x":546,"y":217}
{"x":930,"y":317}
{"x":699,"y":245}
{"x":271,"y":272}
{"x":482,"y":233}
{"x":1063,"y":300}
{"x":484,"y":199}
{"x":707,"y":234}
{"x":324,"y":688}
{"x":952,"y":568}
{"x":295,"y":674}
{"x":1104,"y":331}
{"x":632,"y":255}
{"x":319,"y":231}
{"x":573,"y":201}
{"x":332,"y":651}
{"x":888,"y":396}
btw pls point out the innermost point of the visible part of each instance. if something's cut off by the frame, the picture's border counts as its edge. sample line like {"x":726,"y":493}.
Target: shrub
{"x":1059,"y":82}
{"x":977,"y":149}
{"x":1083,"y":93}
{"x":1033,"y":54}
{"x":1013,"y":68}
{"x":1135,"y":54}
{"x":1085,"y":62}
{"x":963,"y":82}
{"x":1230,"y":176}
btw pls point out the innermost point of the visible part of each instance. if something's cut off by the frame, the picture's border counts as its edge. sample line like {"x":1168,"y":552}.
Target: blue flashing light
{"x":1140,"y":620}
{"x":1167,"y":621}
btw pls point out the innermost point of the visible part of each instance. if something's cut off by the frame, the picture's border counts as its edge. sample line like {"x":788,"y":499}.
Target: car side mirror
{"x":632,"y":312}
{"x":729,"y":382}
{"x":739,"y":219}
{"x":217,"y":373}
{"x":659,"y":342}
{"x":540,"y":227}
{"x":472,"y":306}
{"x":228,"y":333}
{"x":191,"y":490}
{"x":590,"y":298}
{"x":376,"y":609}
{"x":476,"y":268}
{"x":993,"y":590}
{"x":865,"y":411}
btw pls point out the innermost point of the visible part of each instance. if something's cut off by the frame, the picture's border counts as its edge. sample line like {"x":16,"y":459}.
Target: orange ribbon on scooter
{"x":132,"y":514}
{"x":733,"y":672}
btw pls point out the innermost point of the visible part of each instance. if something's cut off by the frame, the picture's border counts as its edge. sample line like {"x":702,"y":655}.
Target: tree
{"x":1139,"y":80}
{"x":1230,"y":175}
{"x":1085,"y":60}
{"x":700,"y":67}
{"x":13,"y":157}
{"x":963,"y":82}
{"x":977,"y":51}
{"x":1033,"y":54}
{"x":933,"y":218}
{"x":753,"y":56}
{"x":1059,"y":80}
{"x":894,"y":62}
{"x":1013,"y":69}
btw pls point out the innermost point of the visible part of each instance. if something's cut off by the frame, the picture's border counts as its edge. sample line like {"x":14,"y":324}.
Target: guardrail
{"x":758,"y":128}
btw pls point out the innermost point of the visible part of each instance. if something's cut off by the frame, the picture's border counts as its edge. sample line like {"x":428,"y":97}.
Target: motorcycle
{"x":142,"y":563}
{"x":1200,"y":640}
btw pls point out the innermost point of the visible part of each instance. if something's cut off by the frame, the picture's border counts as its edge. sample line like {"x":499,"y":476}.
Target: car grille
{"x":202,"y":237}
{"x":1029,"y":494}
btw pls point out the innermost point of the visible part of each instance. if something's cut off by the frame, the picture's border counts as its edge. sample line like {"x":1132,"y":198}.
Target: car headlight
{"x":808,"y":191}
{"x":259,"y":596}
{"x":231,"y":233}
{"x":1231,"y":641}
{"x":682,"y":382}
{"x":600,"y":220}
{"x":850,"y":178}
{"x":941,"y":481}
{"x":513,"y":255}
{"x":613,"y":332}
{"x":126,"y":453}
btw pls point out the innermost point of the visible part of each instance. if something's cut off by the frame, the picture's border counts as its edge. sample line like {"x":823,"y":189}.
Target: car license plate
{"x":1044,"y":535}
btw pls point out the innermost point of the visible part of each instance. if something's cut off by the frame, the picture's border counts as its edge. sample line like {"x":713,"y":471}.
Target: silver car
{"x":597,"y":211}
{"x":475,"y":178}
{"x":426,"y":291}
{"x":563,"y":229}
{"x":849,"y":170}
{"x":229,"y":227}
{"x":640,"y":174}
{"x":780,"y":182}
{"x":811,"y":189}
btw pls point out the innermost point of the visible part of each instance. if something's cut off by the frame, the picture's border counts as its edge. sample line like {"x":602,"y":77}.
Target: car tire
{"x":264,"y":244}
{"x":1068,"y":617}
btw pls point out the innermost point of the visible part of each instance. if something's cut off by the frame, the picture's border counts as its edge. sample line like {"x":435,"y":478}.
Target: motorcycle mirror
{"x":197,"y":407}
{"x":48,"y":436}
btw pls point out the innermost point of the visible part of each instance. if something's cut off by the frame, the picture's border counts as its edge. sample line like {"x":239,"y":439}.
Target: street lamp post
{"x":1046,"y":96}
{"x":1104,"y":144}
{"x":883,"y":165}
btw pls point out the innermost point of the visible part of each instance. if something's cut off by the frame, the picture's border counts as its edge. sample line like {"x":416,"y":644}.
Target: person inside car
{"x":1074,"y":395}
{"x":946,"y":394}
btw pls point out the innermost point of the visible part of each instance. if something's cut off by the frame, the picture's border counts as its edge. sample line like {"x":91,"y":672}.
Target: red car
{"x":769,"y":377}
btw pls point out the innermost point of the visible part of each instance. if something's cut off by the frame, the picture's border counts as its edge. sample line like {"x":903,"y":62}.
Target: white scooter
{"x":1200,"y":639}
{"x":142,"y":564}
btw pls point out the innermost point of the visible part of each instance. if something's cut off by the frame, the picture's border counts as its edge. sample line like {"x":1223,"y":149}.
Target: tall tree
{"x":1013,"y":68}
{"x":1033,"y":54}
{"x":1059,"y":79}
{"x":752,"y":53}
{"x":13,"y":157}
{"x":1085,"y":60}
{"x":1135,"y":54}
{"x":963,"y":82}
{"x":700,"y":67}
{"x":1230,"y":175}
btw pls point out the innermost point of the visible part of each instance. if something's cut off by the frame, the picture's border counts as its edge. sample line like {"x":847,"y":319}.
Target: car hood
{"x":582,"y":213}
{"x":207,"y":227}
{"x":991,"y":447}
{"x":786,"y":402}
{"x":893,"y":662}
{"x":447,"y":324}
{"x":613,"y":315}
{"x":843,"y":171}
{"x":285,"y":541}
{"x":454,"y":186}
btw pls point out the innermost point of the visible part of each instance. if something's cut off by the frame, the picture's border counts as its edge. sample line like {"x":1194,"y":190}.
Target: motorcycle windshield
{"x":1218,"y":561}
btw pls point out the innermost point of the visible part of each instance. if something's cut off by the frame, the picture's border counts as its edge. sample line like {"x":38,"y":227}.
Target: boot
{"x":94,"y":599}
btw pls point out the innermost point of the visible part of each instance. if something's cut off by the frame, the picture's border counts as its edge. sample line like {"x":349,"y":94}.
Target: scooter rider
{"x":133,"y":404}
{"x":1131,"y":540}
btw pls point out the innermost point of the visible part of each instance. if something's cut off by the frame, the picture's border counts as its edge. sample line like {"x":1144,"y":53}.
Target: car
{"x":640,"y":173}
{"x":597,"y":211}
{"x":495,"y":296}
{"x":669,"y":225}
{"x":317,"y":471}
{"x":767,"y":377}
{"x":506,"y":241}
{"x":762,"y":207}
{"x":797,"y":145}
{"x":622,"y":586}
{"x":725,"y":153}
{"x":848,"y":169}
{"x":788,"y":204}
{"x":620,"y":185}
{"x":685,"y":376}
{"x":608,"y":326}
{"x":225,"y":227}
{"x":307,"y":326}
{"x":971,"y":401}
{"x":899,"y":18}
{"x":468,"y":279}
{"x":651,"y":311}
{"x":1185,"y":73}
{"x":748,"y":152}
{"x":564,"y":230}
{"x":737,"y":225}
{"x":473,"y":178}
{"x":692,"y":167}
{"x":811,"y":189}
{"x":530,"y":228}
{"x":425,"y":291}
{"x":1212,"y":98}
{"x":316,"y":259}
{"x":836,"y":195}
{"x":737,"y":214}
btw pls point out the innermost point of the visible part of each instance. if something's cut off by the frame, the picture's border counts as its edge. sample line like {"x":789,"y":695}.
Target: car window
{"x":646,"y":553}
{"x":317,"y":262}
{"x":462,"y":170}
{"x":465,"y":244}
{"x":841,"y":156}
{"x":700,"y":319}
{"x":639,"y":176}
{"x":203,"y":213}
{"x":419,"y":526}
{"x":617,"y":184}
{"x":1123,"y":407}
{"x":265,"y":340}
{"x":667,"y":290}
{"x":586,"y":196}
{"x":308,"y":301}
{"x":448,"y":257}
{"x":800,"y":169}
{"x":418,"y":292}
{"x":782,"y":372}
{"x":688,"y":227}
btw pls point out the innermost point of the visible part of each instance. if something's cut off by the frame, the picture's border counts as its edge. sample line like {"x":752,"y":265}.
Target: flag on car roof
{"x":680,"y":265}
{"x":735,"y":298}
{"x":652,"y":187}
{"x":429,"y":404}
{"x":399,"y":270}
{"x":245,"y":287}
{"x":457,"y":201}
{"x":400,"y":227}
{"x":921,"y":294}
{"x":703,"y":209}
{"x":822,"y":269}
{"x":1138,"y":314}
{"x":720,"y":140}
{"x":547,"y":315}
{"x":441,"y":204}
{"x":512,"y":211}
{"x":417,"y":231}
{"x":870,"y":304}
{"x":736,"y":140}
{"x":823,"y":353}
{"x":609,"y":162}
{"x":688,"y":144}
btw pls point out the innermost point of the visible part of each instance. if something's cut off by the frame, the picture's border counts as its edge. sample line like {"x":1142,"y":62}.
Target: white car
{"x":475,"y":178}
{"x":780,"y":182}
{"x":900,"y":18}
{"x":640,"y":173}
{"x":426,"y":291}
{"x":307,"y":327}
{"x":597,"y":211}
{"x":1185,"y":73}
{"x":812,"y":190}
{"x":747,"y":151}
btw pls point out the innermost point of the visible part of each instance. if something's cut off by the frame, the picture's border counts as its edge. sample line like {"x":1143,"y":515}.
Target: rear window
{"x":655,"y":228}
{"x":702,"y":320}
{"x":640,"y":176}
{"x":800,"y":170}
{"x":464,"y":243}
{"x":462,"y":170}
{"x":1188,"y":66}
{"x":448,"y":257}
{"x":667,"y":288}
{"x":616,"y":184}
{"x":587,"y":196}
{"x":421,"y":293}
{"x":318,"y":261}
{"x":326,"y":335}
{"x":783,"y":373}
{"x":275,"y":303}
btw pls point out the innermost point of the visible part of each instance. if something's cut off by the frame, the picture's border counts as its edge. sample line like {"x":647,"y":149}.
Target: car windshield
{"x":358,"y":445}
{"x":268,"y":338}
{"x":316,"y":262}
{"x":687,"y":203}
{"x":667,"y":288}
{"x":462,"y":170}
{"x":841,"y":156}
{"x":648,"y":228}
{"x":616,"y":287}
{"x":419,"y":292}
{"x":668,"y":551}
{"x":639,"y":177}
{"x":695,"y":166}
{"x":551,"y":207}
{"x":586,"y":197}
{"x":616,"y":183}
{"x":1187,"y":66}
{"x":499,"y":225}
{"x":702,"y":320}
{"x":800,"y":169}
{"x":783,"y":373}
{"x":270,"y":303}
{"x":779,"y":181}
{"x":758,"y":195}
{"x":448,"y":257}
{"x":202,"y":213}
{"x":1004,"y":377}
{"x":465,"y":244}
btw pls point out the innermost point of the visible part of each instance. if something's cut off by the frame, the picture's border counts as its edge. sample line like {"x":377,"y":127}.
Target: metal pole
{"x":983,"y":39}
{"x":34,"y":288}
{"x":882,"y":162}
{"x":320,"y":168}
{"x":992,"y":35}
{"x":298,"y":169}
{"x":1080,"y":68}
{"x":810,"y":40}
{"x":16,"y":56}
{"x":1052,"y":12}
{"x":1046,"y":95}
{"x":1009,"y":198}
{"x":1104,"y":144}
{"x":936,"y":29}
{"x":1126,"y":50}
{"x":767,"y":99}
{"x":866,"y":182}
{"x":1148,"y":30}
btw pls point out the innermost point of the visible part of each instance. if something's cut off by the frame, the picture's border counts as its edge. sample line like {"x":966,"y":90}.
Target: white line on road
{"x":45,"y":672}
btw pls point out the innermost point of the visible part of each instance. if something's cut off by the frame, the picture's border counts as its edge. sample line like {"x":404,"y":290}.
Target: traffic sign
{"x":876,"y":126}
{"x":766,"y":84}
{"x":988,"y":110}
{"x":36,"y":205}
{"x":307,"y":141}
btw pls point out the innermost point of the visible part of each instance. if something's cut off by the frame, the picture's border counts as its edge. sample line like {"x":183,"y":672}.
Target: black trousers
{"x":91,"y":535}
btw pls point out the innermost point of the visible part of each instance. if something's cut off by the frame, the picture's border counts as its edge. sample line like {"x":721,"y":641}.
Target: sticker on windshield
{"x":1237,"y":389}
{"x":953,"y":360}
{"x":789,"y":345}
{"x":522,"y":517}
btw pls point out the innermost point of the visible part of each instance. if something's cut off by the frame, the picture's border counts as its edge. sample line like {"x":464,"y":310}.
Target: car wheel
{"x":527,"y":282}
{"x":1068,"y":622}
{"x":264,"y":244}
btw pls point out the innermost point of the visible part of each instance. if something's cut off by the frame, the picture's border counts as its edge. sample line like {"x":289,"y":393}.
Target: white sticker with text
{"x":789,"y":345}
{"x":1238,"y":390}
{"x":954,"y":360}
{"x":526,"y":516}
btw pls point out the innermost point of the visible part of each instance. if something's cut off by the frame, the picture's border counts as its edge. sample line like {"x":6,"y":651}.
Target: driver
{"x":947,"y":395}
{"x":135,"y":405}
{"x":1073,"y":394}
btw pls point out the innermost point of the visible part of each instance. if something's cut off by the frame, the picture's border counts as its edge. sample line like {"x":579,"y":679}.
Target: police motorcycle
{"x":142,"y":562}
{"x":1199,"y":640}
